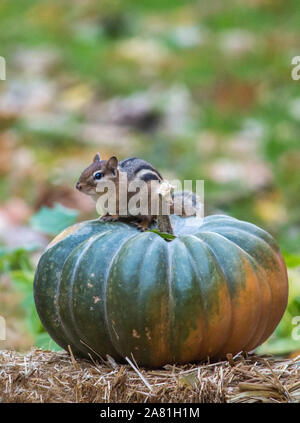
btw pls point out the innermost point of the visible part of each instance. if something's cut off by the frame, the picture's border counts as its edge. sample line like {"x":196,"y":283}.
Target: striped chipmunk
{"x":127,"y":179}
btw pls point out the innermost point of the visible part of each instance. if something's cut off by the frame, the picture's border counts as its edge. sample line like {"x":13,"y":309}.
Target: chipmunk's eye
{"x":98,"y":175}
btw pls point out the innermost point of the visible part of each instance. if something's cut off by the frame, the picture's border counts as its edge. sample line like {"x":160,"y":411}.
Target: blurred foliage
{"x":203,"y":90}
{"x":53,"y":221}
{"x":18,"y":265}
{"x":285,"y":339}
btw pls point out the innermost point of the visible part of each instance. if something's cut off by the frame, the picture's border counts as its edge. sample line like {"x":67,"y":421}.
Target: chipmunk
{"x":102,"y":172}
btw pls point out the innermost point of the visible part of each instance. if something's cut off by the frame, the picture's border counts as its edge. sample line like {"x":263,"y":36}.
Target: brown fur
{"x":109,"y":168}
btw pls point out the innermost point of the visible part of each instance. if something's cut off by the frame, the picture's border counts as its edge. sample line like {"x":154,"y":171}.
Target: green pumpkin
{"x":106,"y":288}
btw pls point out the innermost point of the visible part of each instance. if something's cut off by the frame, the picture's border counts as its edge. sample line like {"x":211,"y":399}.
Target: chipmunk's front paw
{"x":109,"y":218}
{"x":139,"y":226}
{"x":143,"y":225}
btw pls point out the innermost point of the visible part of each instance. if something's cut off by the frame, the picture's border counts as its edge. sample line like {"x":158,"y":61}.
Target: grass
{"x":43,"y":376}
{"x":223,"y":86}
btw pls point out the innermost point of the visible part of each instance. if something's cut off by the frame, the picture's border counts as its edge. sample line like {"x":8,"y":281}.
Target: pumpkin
{"x":106,"y":288}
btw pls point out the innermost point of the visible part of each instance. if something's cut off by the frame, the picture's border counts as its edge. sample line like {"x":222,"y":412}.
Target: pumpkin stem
{"x":163,"y":221}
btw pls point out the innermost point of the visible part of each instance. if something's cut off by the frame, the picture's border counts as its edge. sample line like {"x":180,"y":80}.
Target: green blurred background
{"x":202,"y":89}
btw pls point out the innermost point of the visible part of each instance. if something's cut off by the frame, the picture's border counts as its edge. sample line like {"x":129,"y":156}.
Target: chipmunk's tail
{"x":186,"y":203}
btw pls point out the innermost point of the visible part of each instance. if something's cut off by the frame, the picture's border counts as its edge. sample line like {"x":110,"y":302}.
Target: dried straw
{"x":45,"y":376}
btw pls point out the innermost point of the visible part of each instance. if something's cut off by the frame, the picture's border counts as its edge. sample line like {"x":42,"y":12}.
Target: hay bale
{"x":45,"y":376}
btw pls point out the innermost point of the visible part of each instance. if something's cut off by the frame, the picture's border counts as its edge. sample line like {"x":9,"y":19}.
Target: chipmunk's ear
{"x":97,"y":158}
{"x":112,"y":163}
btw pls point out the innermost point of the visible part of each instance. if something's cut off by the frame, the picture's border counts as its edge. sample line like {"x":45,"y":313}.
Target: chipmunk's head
{"x":100,"y":171}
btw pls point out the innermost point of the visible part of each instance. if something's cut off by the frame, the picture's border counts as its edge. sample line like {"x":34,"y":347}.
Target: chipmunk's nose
{"x":79,"y":186}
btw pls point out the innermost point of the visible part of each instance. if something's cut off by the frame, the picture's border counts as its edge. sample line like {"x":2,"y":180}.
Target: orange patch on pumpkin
{"x":216,"y":328}
{"x":64,"y":234}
